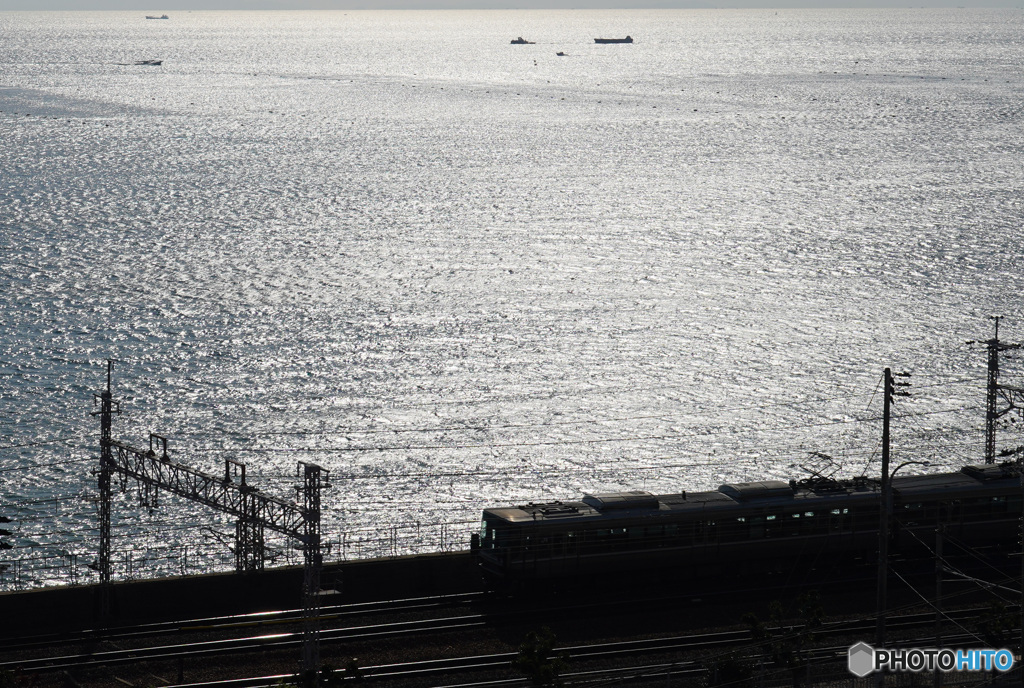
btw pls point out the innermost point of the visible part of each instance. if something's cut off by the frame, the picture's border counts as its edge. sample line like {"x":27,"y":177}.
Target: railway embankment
{"x":75,"y":607}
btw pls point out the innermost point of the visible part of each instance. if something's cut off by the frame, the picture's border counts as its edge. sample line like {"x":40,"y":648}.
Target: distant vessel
{"x":162,"y":16}
{"x":522,"y":41}
{"x":627,"y":39}
{"x":561,"y":54}
{"x":150,"y":63}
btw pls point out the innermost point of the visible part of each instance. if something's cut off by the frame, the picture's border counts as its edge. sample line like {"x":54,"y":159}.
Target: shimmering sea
{"x":461,"y":273}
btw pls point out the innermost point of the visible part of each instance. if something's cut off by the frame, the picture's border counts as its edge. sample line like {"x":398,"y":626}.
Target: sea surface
{"x":460,"y":273}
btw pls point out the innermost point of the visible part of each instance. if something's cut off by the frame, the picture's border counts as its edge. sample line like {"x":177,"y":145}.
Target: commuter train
{"x":756,"y":527}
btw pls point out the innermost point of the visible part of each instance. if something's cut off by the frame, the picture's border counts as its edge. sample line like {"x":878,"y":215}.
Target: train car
{"x":767,"y":526}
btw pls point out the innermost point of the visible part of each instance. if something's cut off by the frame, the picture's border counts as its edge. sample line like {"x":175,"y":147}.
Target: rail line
{"x":236,"y":621}
{"x":464,"y":622}
{"x":236,"y":645}
{"x":605,"y":651}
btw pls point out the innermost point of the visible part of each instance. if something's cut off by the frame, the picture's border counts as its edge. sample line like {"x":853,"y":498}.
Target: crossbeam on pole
{"x":253,"y":510}
{"x":218,"y":492}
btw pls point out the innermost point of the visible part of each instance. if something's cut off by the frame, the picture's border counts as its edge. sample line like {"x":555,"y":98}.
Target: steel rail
{"x":225,"y":622}
{"x":392,"y":629}
{"x":235,"y":645}
{"x":433,"y":667}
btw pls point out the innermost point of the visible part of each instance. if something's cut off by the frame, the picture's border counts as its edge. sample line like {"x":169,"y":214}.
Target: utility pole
{"x":885,"y":509}
{"x":1020,"y":541}
{"x":106,"y":413}
{"x":248,"y":528}
{"x":5,"y":532}
{"x":883,"y":516}
{"x":313,"y":560}
{"x":939,"y":570}
{"x":1012,"y":396}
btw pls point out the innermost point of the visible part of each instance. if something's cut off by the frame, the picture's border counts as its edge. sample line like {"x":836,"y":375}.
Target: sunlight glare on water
{"x":461,"y":273}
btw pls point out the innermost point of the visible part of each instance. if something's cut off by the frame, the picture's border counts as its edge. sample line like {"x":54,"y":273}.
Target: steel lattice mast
{"x":311,"y":579}
{"x":229,"y":493}
{"x":1012,"y":396}
{"x":106,"y":413}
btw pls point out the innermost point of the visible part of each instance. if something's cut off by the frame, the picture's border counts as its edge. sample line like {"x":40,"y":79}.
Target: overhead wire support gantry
{"x":228,"y":493}
{"x":155,"y":470}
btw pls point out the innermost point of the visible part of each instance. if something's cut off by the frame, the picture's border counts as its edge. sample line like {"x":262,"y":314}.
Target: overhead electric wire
{"x":41,"y":443}
{"x":933,"y":607}
{"x":987,"y":585}
{"x":29,"y":467}
{"x":923,"y":432}
{"x":949,"y":567}
{"x":517,"y":470}
{"x":545,"y":443}
{"x":457,"y":428}
{"x":969,"y":550}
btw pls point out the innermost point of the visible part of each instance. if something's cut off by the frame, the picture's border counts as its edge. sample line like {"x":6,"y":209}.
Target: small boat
{"x":150,"y":63}
{"x":522,"y":41}
{"x":627,"y":39}
{"x":162,"y":16}
{"x":561,"y":54}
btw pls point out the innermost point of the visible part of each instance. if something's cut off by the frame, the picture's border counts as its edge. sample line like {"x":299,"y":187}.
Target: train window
{"x":704,"y":531}
{"x":814,"y":522}
{"x":980,"y":508}
{"x":793,"y":524}
{"x":756,"y":527}
{"x":503,"y":538}
{"x":839,"y":519}
{"x":770,"y":517}
{"x":730,"y":529}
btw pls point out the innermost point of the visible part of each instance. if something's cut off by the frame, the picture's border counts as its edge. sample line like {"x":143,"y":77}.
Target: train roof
{"x":812,"y":493}
{"x":968,"y":479}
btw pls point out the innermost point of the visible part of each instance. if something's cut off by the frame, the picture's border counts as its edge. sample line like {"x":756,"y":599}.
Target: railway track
{"x":268,"y":619}
{"x":339,"y":629}
{"x":657,"y":670}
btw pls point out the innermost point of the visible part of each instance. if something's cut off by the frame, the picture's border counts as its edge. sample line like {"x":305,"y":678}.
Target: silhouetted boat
{"x":162,"y":16}
{"x":627,"y":39}
{"x":522,"y":41}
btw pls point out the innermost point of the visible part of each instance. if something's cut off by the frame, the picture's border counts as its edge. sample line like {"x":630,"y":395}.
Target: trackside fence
{"x":28,"y":568}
